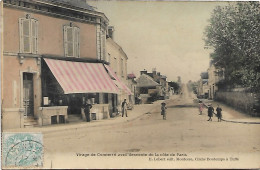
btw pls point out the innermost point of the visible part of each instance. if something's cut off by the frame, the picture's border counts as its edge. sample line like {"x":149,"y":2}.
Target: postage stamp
{"x":22,"y":150}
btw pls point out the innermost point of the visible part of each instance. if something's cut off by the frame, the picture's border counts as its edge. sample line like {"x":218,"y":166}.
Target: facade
{"x":160,"y":79}
{"x":203,"y":88}
{"x":132,"y":86}
{"x":214,"y":76}
{"x":147,"y":89}
{"x":53,"y":62}
{"x":118,"y":63}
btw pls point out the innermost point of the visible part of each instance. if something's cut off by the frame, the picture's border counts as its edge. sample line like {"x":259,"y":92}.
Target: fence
{"x":243,"y":101}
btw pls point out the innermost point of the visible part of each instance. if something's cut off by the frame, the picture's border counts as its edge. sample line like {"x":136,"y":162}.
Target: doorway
{"x":28,"y":102}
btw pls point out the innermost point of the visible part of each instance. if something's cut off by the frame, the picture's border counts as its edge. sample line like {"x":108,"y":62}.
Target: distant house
{"x":214,"y":76}
{"x":203,"y":88}
{"x":147,"y":88}
{"x":132,"y":86}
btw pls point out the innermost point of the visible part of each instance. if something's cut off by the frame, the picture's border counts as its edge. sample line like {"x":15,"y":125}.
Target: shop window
{"x":97,"y":98}
{"x":71,"y":41}
{"x":106,"y":98}
{"x":28,"y":28}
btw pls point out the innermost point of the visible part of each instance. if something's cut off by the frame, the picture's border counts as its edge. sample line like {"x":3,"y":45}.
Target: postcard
{"x":99,"y":84}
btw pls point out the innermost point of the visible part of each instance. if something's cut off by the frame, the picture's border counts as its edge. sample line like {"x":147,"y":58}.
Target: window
{"x":28,"y":35}
{"x":71,"y":41}
{"x":122,"y":67}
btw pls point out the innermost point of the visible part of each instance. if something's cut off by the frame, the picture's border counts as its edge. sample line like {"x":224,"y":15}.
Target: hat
{"x":163,"y":103}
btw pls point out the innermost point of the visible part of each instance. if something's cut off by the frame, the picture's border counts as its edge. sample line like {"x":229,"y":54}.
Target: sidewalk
{"x":230,"y":114}
{"x":137,"y":112}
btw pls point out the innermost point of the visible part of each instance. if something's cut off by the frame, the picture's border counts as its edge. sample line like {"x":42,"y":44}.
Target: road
{"x":184,"y":131}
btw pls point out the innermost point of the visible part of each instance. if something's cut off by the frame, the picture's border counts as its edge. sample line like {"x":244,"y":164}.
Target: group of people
{"x":211,"y":111}
{"x":88,"y":106}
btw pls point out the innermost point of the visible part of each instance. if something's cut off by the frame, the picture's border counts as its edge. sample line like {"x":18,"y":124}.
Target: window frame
{"x":33,"y":49}
{"x":75,"y":42}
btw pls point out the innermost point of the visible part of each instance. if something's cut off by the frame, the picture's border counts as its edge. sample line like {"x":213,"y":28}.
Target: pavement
{"x":137,"y":112}
{"x":230,"y":114}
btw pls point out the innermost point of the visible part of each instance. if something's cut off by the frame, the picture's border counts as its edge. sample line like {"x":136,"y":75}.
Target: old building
{"x":160,"y":79}
{"x":118,"y":64}
{"x":53,"y":62}
{"x":214,"y":76}
{"x":147,"y":89}
{"x":203,"y":88}
{"x":132,"y":86}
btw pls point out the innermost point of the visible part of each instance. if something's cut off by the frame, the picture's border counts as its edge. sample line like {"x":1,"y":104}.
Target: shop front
{"x":68,"y":85}
{"x":124,"y":91}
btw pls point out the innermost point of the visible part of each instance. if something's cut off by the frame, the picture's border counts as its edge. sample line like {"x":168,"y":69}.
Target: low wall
{"x":45,"y":114}
{"x":101,"y":111}
{"x":12,"y":118}
{"x":239,"y":100}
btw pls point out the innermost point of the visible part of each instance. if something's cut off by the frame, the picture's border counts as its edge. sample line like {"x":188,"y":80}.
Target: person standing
{"x":210,"y":112}
{"x":87,"y":108}
{"x":200,"y":107}
{"x":219,"y":113}
{"x":124,"y":109}
{"x":163,"y":110}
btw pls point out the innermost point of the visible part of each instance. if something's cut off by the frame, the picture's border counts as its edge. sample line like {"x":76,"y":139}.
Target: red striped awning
{"x":118,"y":82}
{"x":80,"y":77}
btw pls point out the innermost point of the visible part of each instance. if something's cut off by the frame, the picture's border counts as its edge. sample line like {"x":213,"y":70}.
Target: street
{"x":184,"y":131}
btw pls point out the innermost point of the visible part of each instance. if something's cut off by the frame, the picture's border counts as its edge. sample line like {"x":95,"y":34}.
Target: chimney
{"x":111,"y":30}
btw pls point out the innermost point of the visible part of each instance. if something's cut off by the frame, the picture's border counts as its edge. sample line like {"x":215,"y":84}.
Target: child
{"x":219,"y":114}
{"x":200,"y":107}
{"x":163,"y":108}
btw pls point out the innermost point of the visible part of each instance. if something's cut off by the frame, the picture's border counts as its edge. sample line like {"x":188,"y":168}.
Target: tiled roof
{"x":146,"y":81}
{"x":130,"y":76}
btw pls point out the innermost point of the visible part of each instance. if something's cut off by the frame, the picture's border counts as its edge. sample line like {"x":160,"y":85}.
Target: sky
{"x":165,"y":35}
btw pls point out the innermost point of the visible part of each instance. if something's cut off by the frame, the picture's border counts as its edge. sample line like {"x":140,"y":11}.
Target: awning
{"x":80,"y":77}
{"x":118,"y":82}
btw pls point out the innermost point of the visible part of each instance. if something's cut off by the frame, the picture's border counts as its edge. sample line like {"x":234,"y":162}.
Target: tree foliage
{"x":234,"y":34}
{"x":175,"y":86}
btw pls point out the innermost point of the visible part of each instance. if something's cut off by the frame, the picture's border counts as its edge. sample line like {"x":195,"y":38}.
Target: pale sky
{"x":167,"y":36}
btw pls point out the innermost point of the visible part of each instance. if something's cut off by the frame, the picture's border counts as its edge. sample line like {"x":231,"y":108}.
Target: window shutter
{"x":70,"y":41}
{"x":65,"y":40}
{"x":26,"y":36}
{"x":34,"y":36}
{"x":76,"y":42}
{"x":103,"y":42}
{"x":21,"y":34}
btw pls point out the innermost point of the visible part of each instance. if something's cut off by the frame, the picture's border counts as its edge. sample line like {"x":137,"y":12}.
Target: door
{"x":28,"y":94}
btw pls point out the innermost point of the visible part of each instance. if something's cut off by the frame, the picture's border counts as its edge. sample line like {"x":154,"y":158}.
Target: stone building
{"x":118,"y":63}
{"x":214,"y":76}
{"x":53,"y":62}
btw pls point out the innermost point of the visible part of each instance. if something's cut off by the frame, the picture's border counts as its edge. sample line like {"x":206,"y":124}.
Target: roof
{"x":131,"y":76}
{"x":146,"y":81}
{"x":204,"y":81}
{"x":110,"y":40}
{"x":73,"y":3}
{"x":164,"y":77}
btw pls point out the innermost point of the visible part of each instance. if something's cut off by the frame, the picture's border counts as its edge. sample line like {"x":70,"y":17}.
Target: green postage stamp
{"x":22,"y":150}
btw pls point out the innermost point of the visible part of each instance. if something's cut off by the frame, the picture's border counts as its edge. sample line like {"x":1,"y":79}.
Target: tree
{"x":174,"y":85}
{"x":233,"y":32}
